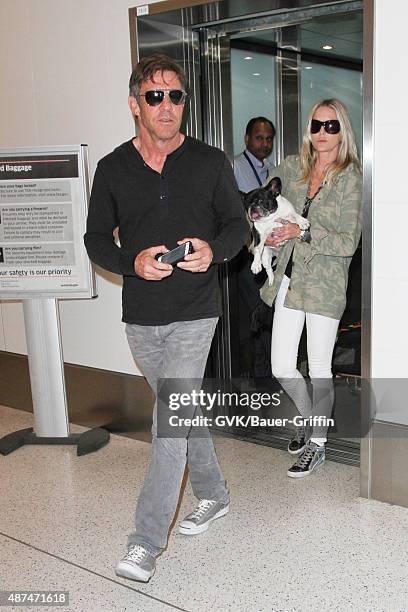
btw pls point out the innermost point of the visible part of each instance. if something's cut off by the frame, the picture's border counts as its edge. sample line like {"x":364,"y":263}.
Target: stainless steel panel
{"x":217,"y":131}
{"x":389,"y":458}
{"x":381,"y":463}
{"x":289,"y":87}
{"x":172,"y":34}
{"x":174,"y":5}
{"x":281,"y":17}
{"x":399,"y":468}
{"x":192,"y":62}
{"x":239,"y":14}
{"x":134,"y":44}
{"x":368,"y":94}
{"x":232,"y":10}
{"x":225,"y":95}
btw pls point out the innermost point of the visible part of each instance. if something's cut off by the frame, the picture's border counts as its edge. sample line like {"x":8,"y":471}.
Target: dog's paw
{"x":270,"y":278}
{"x":256,"y":267}
{"x":304,"y":224}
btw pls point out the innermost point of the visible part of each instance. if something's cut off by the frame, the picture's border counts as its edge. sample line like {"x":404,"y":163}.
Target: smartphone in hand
{"x":175,"y":255}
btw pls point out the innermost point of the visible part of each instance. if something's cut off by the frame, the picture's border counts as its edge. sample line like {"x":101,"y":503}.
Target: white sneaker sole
{"x":191,"y":529}
{"x":125,"y":570}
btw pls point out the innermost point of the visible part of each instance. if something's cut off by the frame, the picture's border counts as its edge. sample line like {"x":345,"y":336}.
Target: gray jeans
{"x":177,"y":350}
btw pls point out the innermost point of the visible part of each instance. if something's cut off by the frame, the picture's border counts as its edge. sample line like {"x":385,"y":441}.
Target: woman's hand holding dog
{"x":281,"y":234}
{"x":198,"y":261}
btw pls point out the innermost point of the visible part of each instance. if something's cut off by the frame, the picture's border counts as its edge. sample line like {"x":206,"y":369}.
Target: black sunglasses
{"x":154,"y":97}
{"x":331,"y":126}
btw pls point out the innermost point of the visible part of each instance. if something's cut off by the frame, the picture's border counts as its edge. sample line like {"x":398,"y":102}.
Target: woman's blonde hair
{"x":347,"y":150}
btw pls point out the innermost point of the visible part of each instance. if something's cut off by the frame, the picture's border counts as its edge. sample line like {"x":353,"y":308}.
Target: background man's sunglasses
{"x":154,"y":97}
{"x":331,"y":126}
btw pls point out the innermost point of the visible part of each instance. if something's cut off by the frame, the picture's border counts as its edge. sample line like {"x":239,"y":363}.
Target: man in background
{"x":251,"y":167}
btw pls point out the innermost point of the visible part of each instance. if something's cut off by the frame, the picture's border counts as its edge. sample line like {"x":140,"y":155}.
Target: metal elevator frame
{"x":191,"y":29}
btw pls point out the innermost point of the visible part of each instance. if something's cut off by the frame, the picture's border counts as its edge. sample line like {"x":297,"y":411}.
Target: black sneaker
{"x":298,"y":442}
{"x":309,"y":460}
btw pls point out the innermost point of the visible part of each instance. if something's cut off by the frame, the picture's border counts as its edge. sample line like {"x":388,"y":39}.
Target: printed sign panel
{"x":44,"y":195}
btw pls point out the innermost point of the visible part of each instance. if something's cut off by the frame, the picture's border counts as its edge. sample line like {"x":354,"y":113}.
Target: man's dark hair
{"x":148,"y":66}
{"x":254,"y":120}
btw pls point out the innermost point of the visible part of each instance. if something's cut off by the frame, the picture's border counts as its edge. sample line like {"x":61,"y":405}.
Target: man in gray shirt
{"x":250,"y":167}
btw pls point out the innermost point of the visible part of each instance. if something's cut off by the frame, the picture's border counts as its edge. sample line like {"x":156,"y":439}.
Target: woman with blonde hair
{"x":324,"y":184}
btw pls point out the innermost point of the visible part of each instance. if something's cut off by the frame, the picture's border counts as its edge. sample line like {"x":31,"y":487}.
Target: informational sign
{"x":44,"y":195}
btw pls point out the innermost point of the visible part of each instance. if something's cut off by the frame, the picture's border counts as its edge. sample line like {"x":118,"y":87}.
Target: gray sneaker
{"x":309,"y":460}
{"x":200,"y":519}
{"x":137,"y":564}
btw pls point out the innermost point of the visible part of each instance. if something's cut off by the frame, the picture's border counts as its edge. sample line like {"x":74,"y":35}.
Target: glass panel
{"x":253,"y":87}
{"x":256,"y":86}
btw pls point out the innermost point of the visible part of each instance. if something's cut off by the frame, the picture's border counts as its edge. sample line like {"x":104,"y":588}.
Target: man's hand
{"x":147,"y":267}
{"x":200,"y":260}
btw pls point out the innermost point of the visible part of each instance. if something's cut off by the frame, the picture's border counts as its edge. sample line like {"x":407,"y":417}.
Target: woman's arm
{"x":343,"y":241}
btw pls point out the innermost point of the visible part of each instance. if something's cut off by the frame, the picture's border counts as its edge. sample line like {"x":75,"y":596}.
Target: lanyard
{"x":309,"y":200}
{"x":254,"y":169}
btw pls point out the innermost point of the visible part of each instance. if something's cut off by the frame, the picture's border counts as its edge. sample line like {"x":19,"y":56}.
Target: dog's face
{"x":262,"y":202}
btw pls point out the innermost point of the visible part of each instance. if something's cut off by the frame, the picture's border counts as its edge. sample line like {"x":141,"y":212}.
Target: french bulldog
{"x":268,"y":209}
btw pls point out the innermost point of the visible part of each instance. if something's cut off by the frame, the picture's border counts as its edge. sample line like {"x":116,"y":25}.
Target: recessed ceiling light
{"x":256,"y":74}
{"x":308,"y":67}
{"x":327,"y":46}
{"x":248,"y":57}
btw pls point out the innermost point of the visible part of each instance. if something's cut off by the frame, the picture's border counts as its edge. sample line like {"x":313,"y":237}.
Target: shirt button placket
{"x":164,"y":193}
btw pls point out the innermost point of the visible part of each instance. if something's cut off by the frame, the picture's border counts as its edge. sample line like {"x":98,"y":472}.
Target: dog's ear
{"x":243,"y":198}
{"x":275,"y":186}
{"x":247,"y":197}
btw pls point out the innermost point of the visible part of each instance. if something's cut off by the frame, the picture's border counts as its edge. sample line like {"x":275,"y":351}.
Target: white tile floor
{"x":287,"y":545}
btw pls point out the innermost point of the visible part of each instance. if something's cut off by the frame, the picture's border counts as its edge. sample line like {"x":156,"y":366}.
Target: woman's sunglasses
{"x":331,"y":126}
{"x":154,"y":97}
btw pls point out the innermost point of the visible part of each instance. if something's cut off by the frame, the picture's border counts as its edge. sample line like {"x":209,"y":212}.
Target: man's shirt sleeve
{"x":238,"y":173}
{"x":99,"y":239}
{"x":232,"y":226}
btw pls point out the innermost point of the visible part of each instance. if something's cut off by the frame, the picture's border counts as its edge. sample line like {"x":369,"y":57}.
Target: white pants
{"x":321,"y":336}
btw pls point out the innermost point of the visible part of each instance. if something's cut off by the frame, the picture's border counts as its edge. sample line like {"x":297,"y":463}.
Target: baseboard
{"x":120,"y":402}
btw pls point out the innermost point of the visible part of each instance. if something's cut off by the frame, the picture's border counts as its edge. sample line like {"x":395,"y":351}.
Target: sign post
{"x":44,"y":194}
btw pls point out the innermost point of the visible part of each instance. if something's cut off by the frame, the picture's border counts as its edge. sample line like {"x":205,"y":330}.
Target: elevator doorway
{"x":273,"y":65}
{"x":280,"y":74}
